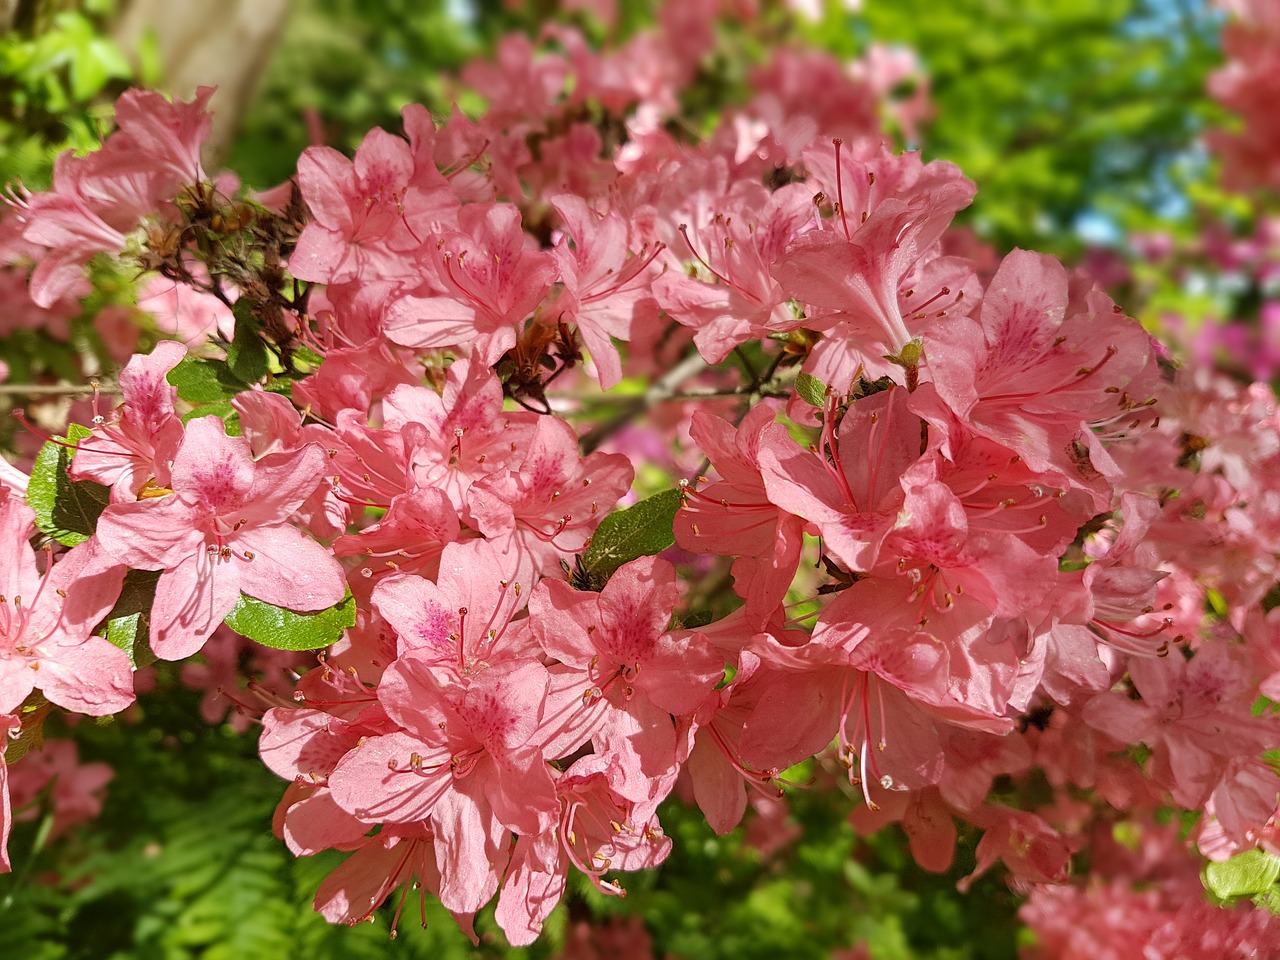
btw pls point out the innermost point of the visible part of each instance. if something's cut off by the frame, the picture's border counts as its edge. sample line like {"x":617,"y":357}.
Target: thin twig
{"x":664,"y":389}
{"x":54,"y":389}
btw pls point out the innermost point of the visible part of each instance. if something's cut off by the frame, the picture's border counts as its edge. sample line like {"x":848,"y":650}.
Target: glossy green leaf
{"x":129,"y":622}
{"x":66,"y":509}
{"x":203,"y":381}
{"x":641,"y":530}
{"x":246,"y":353}
{"x":284,"y":629}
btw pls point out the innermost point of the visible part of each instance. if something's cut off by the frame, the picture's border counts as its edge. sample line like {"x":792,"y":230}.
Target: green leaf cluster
{"x":208,"y":386}
{"x":1060,"y":108}
{"x":58,"y":74}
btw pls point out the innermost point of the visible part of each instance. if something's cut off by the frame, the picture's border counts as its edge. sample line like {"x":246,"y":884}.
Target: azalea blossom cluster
{"x":972,"y":521}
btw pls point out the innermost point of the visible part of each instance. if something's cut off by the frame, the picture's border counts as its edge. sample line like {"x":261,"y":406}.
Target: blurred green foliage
{"x":1060,"y":109}
{"x":348,"y":66}
{"x":59,"y":74}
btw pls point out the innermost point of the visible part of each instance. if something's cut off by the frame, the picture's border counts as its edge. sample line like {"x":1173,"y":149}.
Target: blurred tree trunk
{"x":222,"y":43}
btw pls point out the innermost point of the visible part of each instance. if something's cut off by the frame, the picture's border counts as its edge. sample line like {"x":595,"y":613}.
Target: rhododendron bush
{"x":560,"y":459}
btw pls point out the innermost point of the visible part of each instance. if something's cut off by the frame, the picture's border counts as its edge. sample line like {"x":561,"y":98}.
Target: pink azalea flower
{"x":355,"y":379}
{"x":1032,"y":850}
{"x":134,"y":447}
{"x":606,"y":289}
{"x":9,"y":727}
{"x":627,"y":674}
{"x":853,"y":497}
{"x":409,"y":537}
{"x":1194,"y":715}
{"x":464,"y":618}
{"x":894,"y":209}
{"x":735,"y":517}
{"x":46,"y":622}
{"x":489,"y":281}
{"x":368,"y":213}
{"x":547,"y":507}
{"x":100,"y":198}
{"x":1047,"y":356}
{"x":224,"y":529}
{"x":733,"y":297}
{"x":466,"y":759}
{"x":457,"y":437}
{"x":396,"y":857}
{"x":74,"y":789}
{"x":599,"y":831}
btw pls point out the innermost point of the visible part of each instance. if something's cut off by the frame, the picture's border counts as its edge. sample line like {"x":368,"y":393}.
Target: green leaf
{"x":1246,"y":875}
{"x":66,"y":509}
{"x":129,"y":622}
{"x":204,"y":381}
{"x":641,"y":530}
{"x":284,"y":629}
{"x":246,"y":353}
{"x":811,"y":390}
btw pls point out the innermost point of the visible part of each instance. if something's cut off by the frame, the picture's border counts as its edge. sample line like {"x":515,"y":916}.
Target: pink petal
{"x":94,"y":677}
{"x":191,"y":600}
{"x":288,"y":569}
